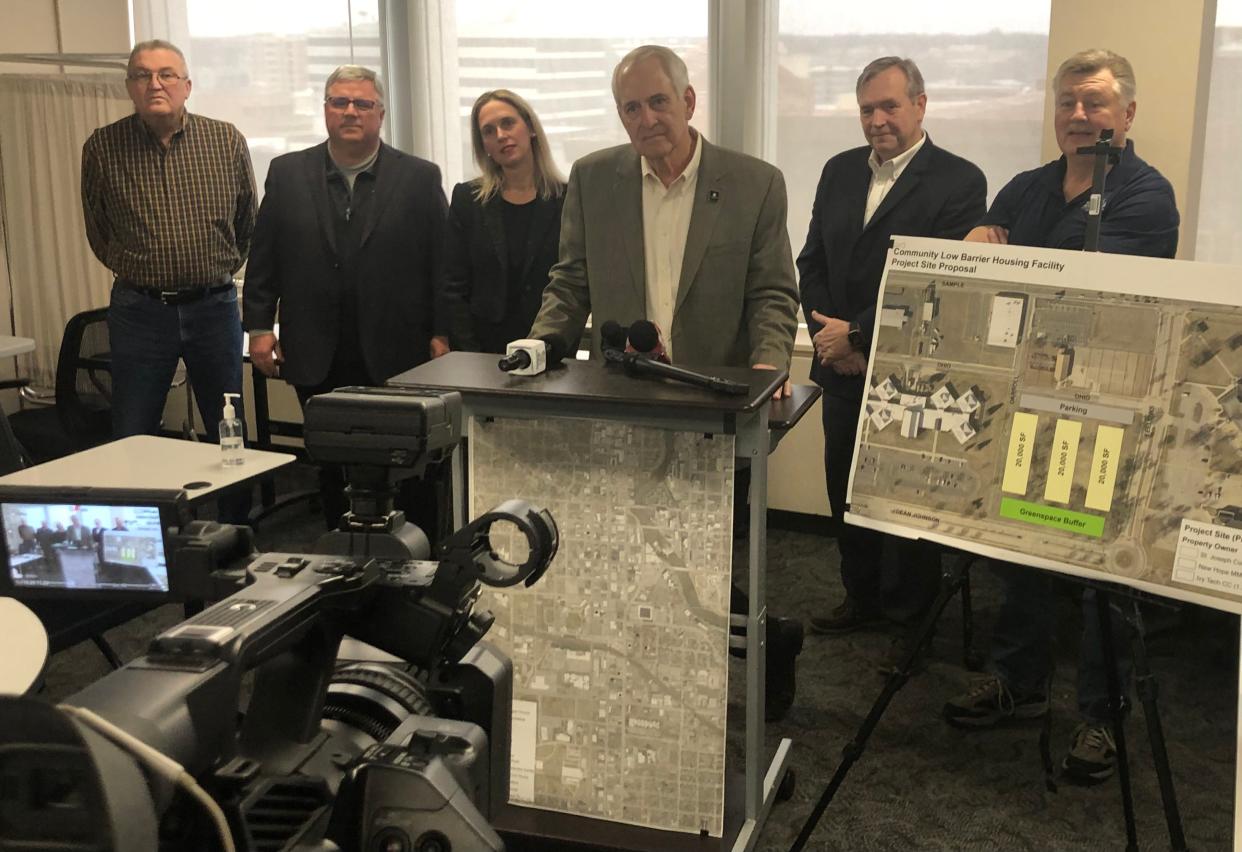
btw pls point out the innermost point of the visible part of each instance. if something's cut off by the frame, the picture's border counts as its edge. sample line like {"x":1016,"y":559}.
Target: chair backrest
{"x":13,"y":455}
{"x":84,"y":379}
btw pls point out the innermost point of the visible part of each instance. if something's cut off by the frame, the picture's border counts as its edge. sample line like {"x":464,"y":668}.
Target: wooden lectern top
{"x":476,"y":373}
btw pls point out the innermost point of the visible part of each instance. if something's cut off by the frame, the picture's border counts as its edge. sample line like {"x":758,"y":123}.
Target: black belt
{"x":175,"y":297}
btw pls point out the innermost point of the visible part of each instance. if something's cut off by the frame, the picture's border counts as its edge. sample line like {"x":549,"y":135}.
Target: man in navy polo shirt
{"x":1095,"y":91}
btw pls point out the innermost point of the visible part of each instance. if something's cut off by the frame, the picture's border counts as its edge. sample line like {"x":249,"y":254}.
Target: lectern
{"x":594,"y":399}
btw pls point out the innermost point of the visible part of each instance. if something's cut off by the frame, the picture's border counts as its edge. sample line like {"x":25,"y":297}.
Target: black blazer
{"x":294,"y":265}
{"x":938,"y":195}
{"x":476,"y":286}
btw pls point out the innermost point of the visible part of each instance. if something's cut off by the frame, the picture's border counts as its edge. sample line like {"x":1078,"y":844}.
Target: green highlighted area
{"x":1047,"y":516}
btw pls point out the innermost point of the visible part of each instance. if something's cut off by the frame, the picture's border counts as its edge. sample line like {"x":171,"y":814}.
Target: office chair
{"x":84,"y":380}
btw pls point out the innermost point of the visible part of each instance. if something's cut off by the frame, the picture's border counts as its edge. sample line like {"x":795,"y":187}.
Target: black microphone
{"x":636,"y":363}
{"x":645,"y":339}
{"x":612,"y":335}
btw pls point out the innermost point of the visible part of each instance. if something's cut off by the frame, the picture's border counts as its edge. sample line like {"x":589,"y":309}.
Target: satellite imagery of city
{"x":1068,"y":410}
{"x":620,"y":651}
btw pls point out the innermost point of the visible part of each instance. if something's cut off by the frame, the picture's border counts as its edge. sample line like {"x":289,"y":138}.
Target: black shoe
{"x":784,"y":645}
{"x":846,"y":618}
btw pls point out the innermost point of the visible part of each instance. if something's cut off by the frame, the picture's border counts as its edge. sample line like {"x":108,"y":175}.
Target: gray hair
{"x":352,"y":73}
{"x":1096,"y":59}
{"x":672,"y":64}
{"x":155,"y":44}
{"x":876,"y":67}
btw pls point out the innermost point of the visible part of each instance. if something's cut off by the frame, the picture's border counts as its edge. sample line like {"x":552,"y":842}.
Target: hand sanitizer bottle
{"x":231,"y":446}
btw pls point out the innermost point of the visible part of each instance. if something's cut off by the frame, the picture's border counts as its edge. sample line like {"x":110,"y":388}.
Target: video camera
{"x":406,"y":750}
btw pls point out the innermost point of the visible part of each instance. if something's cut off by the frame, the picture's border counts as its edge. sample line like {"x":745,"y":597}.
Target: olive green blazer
{"x":737,"y":300}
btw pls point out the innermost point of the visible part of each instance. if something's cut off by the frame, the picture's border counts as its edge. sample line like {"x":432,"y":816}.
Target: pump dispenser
{"x":231,"y":446}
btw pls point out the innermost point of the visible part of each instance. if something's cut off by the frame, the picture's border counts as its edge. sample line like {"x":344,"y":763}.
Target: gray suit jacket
{"x":737,"y":301}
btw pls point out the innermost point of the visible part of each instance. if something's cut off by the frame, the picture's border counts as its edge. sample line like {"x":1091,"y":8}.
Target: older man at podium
{"x":692,"y":237}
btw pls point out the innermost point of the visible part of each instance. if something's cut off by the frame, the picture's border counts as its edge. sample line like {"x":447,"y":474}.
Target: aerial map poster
{"x":620,"y":661}
{"x":1074,"y":411}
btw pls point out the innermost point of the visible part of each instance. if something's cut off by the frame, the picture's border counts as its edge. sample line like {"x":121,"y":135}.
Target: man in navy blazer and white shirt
{"x":898,"y":184}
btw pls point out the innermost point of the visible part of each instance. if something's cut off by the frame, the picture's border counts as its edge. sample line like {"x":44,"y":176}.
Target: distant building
{"x":911,"y":421}
{"x":886,"y":389}
{"x":1005,"y":324}
{"x":942,"y":398}
{"x":968,"y":402}
{"x":894,"y":316}
{"x":886,"y":403}
{"x":1064,"y":364}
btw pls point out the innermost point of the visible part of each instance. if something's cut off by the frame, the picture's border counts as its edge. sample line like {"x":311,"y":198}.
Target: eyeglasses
{"x":360,"y":104}
{"x":166,"y":77}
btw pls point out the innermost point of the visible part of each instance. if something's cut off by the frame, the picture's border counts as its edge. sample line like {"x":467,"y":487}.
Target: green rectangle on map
{"x":1047,"y":516}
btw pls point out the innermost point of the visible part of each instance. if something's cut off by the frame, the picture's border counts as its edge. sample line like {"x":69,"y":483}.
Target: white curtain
{"x":433,"y":48}
{"x":51,"y":273}
{"x":166,"y":19}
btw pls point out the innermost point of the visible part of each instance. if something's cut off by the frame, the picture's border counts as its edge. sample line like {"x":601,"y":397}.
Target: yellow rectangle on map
{"x":1018,"y":461}
{"x":1104,"y":463}
{"x":1061,"y":461}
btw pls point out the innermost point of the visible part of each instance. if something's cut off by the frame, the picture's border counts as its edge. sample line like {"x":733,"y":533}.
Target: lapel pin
{"x":713,"y":195}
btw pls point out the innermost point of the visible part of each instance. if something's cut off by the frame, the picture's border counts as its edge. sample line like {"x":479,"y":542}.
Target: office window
{"x":559,"y":55}
{"x":1220,"y":212}
{"x":262,"y":65}
{"x":984,"y":67}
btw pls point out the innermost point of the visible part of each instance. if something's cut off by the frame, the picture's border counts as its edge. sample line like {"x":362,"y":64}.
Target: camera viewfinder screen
{"x":59,"y":546}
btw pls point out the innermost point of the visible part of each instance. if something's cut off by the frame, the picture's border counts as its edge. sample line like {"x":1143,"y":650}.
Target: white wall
{"x":63,"y":26}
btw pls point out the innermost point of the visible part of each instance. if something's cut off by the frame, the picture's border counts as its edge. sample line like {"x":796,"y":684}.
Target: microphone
{"x":644,"y":338}
{"x":531,"y":356}
{"x":612,"y":335}
{"x":637,"y":363}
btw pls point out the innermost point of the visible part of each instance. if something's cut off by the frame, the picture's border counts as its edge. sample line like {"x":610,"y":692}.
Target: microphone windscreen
{"x":613,"y":335}
{"x":644,"y":336}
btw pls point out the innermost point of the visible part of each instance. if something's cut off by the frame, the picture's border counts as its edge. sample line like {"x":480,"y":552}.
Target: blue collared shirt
{"x":1139,"y":214}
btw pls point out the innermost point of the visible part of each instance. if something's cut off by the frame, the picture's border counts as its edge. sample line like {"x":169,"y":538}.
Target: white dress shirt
{"x":666,"y":224}
{"x":884,"y":175}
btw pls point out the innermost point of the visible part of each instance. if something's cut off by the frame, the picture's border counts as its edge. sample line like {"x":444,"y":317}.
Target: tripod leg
{"x":1104,"y":613}
{"x":1148,"y":692}
{"x":952,"y":582}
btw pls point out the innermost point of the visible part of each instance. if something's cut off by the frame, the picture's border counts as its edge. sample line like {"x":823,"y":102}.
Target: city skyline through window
{"x":983,"y":69}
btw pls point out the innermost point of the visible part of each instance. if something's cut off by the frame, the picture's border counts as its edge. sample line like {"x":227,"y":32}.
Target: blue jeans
{"x":147,"y":337}
{"x":1022,"y":642}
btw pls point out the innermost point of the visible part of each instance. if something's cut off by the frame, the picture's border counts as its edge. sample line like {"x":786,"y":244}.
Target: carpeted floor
{"x":919,"y":783}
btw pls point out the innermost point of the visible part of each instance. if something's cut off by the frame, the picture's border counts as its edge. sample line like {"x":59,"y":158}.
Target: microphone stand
{"x":1105,"y":155}
{"x":1145,"y":684}
{"x":637,"y":364}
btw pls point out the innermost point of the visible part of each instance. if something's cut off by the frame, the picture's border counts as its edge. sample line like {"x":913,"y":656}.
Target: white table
{"x":143,"y":461}
{"x":10,"y":346}
{"x":25,"y":648}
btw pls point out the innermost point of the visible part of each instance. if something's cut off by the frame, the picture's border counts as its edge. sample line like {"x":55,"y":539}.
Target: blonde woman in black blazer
{"x":503,"y":228}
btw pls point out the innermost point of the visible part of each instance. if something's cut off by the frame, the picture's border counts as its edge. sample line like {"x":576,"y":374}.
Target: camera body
{"x":405,"y":748}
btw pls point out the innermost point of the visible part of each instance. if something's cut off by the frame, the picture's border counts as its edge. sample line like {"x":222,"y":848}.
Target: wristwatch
{"x":855,"y":337}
